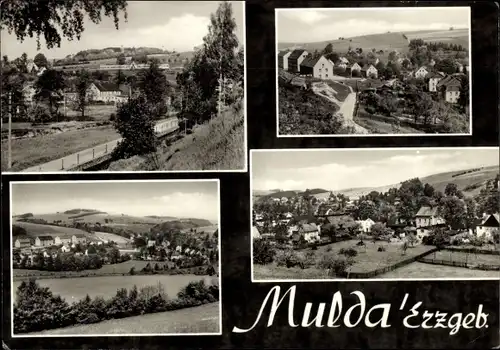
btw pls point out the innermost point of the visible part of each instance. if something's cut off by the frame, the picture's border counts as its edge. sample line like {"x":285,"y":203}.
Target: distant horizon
{"x":310,"y":25}
{"x":317,"y":170}
{"x":180,"y":199}
{"x":166,"y":25}
{"x":361,"y":35}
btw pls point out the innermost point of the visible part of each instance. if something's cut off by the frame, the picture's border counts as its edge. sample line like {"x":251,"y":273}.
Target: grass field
{"x":106,"y":237}
{"x":121,"y":268}
{"x":381,"y":125}
{"x":74,"y":289}
{"x":199,"y":319}
{"x":456,"y":36}
{"x":40,"y":229}
{"x":41,"y":149}
{"x":366,"y":260}
{"x":96,"y":112}
{"x":422,"y":270}
{"x":341,"y":89}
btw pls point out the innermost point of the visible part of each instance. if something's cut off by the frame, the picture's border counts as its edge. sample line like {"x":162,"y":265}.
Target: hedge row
{"x":37,"y":308}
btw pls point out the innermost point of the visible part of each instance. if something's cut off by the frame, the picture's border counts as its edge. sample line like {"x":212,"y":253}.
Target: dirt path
{"x":346,"y":108}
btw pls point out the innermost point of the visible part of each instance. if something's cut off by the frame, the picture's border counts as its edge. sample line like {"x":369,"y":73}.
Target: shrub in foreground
{"x":263,"y":252}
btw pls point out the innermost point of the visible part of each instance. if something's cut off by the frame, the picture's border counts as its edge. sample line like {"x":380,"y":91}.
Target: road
{"x":346,"y":108}
{"x":72,"y":160}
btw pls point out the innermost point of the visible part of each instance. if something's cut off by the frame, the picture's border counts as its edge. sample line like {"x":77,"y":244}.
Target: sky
{"x":312,"y":25}
{"x":336,"y":169}
{"x":179,"y":199}
{"x":171,"y":25}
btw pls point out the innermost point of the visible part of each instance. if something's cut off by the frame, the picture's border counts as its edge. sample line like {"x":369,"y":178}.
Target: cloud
{"x":305,"y":16}
{"x":265,"y":184}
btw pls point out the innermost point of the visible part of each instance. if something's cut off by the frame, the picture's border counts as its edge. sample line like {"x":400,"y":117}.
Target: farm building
{"x":421,"y":73}
{"x":310,"y":232}
{"x":295,"y":59}
{"x":283,"y":59}
{"x":106,"y":92}
{"x":22,"y":243}
{"x":369,"y":71}
{"x":63,"y":239}
{"x":434,"y":78}
{"x":428,"y":217}
{"x":490,"y":224}
{"x":449,"y":88}
{"x":318,"y":67}
{"x":44,"y":241}
{"x":78,"y":238}
{"x":366,"y":225}
{"x":353,"y":67}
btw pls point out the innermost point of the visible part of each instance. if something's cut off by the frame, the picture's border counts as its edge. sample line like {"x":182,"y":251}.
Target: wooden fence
{"x":473,"y":250}
{"x":484,"y":267}
{"x":371,"y":274}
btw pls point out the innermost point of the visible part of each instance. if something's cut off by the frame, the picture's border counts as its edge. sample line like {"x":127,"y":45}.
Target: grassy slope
{"x":377,"y":124}
{"x":217,"y":145}
{"x":39,"y":229}
{"x":386,"y":41}
{"x":439,"y":181}
{"x":422,"y":270}
{"x":199,"y":319}
{"x":41,"y":149}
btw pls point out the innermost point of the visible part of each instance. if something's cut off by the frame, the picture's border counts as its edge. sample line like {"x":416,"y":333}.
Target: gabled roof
{"x":449,"y":81}
{"x":24,"y":239}
{"x":489,"y":217}
{"x":424,"y":67}
{"x":45,"y":238}
{"x":367,"y":66}
{"x":308,"y":228}
{"x":296,"y":54}
{"x":106,"y":86}
{"x":283,"y":53}
{"x":310,"y":62}
{"x":431,"y":75}
{"x":427,"y":211}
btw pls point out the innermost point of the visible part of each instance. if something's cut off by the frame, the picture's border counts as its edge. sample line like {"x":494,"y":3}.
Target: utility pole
{"x":10,"y":131}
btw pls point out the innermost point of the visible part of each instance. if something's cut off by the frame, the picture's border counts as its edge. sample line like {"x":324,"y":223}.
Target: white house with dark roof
{"x":310,"y":232}
{"x":421,"y":73}
{"x":489,"y":224}
{"x":434,"y":78}
{"x":369,"y":71}
{"x":283,"y":59}
{"x":295,"y":59}
{"x":426,"y":219}
{"x":449,"y":88}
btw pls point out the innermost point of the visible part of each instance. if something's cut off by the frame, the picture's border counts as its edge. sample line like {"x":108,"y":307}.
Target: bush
{"x":263,"y":252}
{"x":348,"y":252}
{"x":381,"y":249}
{"x":290,"y":258}
{"x":335,"y":266}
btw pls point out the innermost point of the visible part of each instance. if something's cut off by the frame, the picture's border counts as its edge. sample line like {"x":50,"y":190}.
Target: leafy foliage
{"x":55,"y":19}
{"x":263,"y":252}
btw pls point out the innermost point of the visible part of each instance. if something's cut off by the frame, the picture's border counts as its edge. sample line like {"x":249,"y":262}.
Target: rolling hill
{"x":33,"y":230}
{"x":469,"y":183}
{"x":386,"y":41}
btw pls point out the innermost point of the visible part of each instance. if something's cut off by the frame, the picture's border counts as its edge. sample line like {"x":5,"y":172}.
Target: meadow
{"x":74,"y":289}
{"x":28,"y":152}
{"x":469,"y":258}
{"x":199,"y":319}
{"x":51,"y":230}
{"x":423,"y":270}
{"x":368,"y":259}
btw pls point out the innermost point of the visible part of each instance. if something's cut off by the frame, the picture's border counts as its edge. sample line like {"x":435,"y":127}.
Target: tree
{"x":379,"y":230}
{"x":393,"y":55}
{"x":429,"y":190}
{"x":463,"y":98}
{"x":55,"y":19}
{"x":153,"y":85}
{"x":452,"y":210}
{"x":120,"y":78}
{"x":471,"y":210}
{"x":120,"y":59}
{"x":49,"y":87}
{"x":40,"y":60}
{"x":135,"y":122}
{"x":451,"y":189}
{"x":83,"y":82}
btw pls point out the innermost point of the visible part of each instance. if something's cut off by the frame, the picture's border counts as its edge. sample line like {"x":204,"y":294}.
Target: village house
{"x":322,"y":197}
{"x":353,"y":67}
{"x":489,"y":224}
{"x":105,"y":92}
{"x":310,"y":232}
{"x":366,"y":225}
{"x":78,"y":238}
{"x":63,"y":239}
{"x":369,"y":71}
{"x":22,"y":243}
{"x":421,"y":73}
{"x":44,"y":241}
{"x":426,"y":219}
{"x":295,"y":59}
{"x":433,"y":78}
{"x":449,"y":87}
{"x":344,"y":60}
{"x":29,"y":93}
{"x":65,"y":249}
{"x":318,"y":67}
{"x":283,"y":59}
{"x":341,"y":64}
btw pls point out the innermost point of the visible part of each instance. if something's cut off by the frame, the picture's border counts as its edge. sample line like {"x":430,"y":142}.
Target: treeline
{"x":37,"y":308}
{"x":158,"y":268}
{"x":466,"y":172}
{"x":435,"y":46}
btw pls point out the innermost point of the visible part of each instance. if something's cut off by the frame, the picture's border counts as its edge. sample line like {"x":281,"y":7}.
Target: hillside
{"x":178,"y":225}
{"x":96,"y":216}
{"x":33,"y":230}
{"x":386,"y":41}
{"x":469,"y":183}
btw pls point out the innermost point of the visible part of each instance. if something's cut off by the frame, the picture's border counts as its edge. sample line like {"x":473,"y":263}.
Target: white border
{"x":350,"y":150}
{"x":245,"y":129}
{"x":12,"y":292}
{"x":277,"y":10}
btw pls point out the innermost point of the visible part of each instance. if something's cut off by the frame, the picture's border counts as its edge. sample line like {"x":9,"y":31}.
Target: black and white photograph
{"x":123,"y":86}
{"x":375,"y":214}
{"x":115,"y":258}
{"x":399,"y":71}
